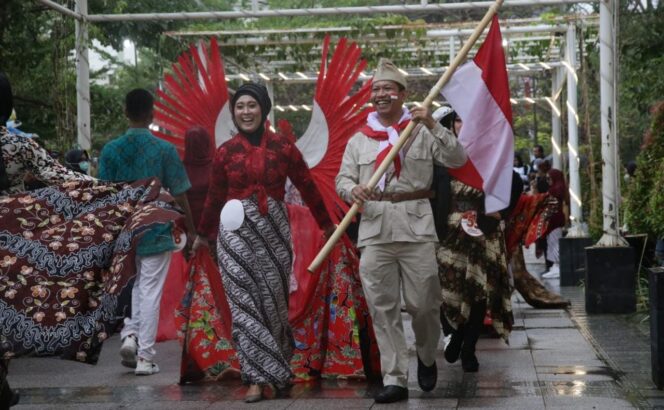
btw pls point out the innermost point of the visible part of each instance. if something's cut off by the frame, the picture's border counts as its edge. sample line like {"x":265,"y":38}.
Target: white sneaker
{"x":146,"y":367}
{"x":128,"y":351}
{"x":553,"y":273}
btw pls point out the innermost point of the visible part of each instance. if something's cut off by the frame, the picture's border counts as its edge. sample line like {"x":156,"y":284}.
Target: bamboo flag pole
{"x":405,"y":134}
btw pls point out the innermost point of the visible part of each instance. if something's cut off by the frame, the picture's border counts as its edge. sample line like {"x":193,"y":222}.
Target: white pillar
{"x":452,"y":43}
{"x":270,"y":92}
{"x":576,"y":216}
{"x":556,"y":123}
{"x":608,"y":28}
{"x":82,"y":78}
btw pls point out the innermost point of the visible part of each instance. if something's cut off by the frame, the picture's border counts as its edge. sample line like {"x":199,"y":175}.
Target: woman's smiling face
{"x":247,"y":114}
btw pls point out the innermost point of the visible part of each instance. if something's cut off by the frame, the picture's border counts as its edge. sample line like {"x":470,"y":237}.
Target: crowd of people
{"x":413,"y":243}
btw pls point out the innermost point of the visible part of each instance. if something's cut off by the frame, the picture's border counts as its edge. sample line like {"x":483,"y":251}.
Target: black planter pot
{"x":610,"y":280}
{"x":656,"y":289}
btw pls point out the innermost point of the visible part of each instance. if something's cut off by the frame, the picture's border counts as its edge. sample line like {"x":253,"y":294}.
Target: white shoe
{"x":553,"y":273}
{"x":146,"y":367}
{"x":128,"y":351}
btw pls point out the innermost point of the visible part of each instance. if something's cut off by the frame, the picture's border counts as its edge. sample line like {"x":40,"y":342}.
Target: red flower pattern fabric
{"x":328,"y":315}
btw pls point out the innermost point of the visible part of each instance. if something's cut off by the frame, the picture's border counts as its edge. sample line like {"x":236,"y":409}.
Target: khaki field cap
{"x":386,"y":70}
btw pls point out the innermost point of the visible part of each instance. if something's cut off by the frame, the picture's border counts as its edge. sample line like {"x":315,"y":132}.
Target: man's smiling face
{"x":387,"y":97}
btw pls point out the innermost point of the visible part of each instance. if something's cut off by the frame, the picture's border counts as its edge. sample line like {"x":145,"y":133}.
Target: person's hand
{"x":361,"y":193}
{"x":423,"y":115}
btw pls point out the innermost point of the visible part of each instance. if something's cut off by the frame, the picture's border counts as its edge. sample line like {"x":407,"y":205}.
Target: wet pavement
{"x":555,"y":359}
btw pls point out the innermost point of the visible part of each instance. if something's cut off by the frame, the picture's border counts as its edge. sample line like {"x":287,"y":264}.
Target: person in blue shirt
{"x":136,"y":155}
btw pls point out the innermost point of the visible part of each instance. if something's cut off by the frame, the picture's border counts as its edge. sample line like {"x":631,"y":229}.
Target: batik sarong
{"x":255,"y":262}
{"x":473,"y":268}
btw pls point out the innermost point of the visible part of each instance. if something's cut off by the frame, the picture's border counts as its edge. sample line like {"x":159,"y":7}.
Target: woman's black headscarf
{"x":6,"y":107}
{"x":260,"y":94}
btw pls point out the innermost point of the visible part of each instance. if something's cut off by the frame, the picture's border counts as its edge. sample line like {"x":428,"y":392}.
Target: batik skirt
{"x":255,"y":261}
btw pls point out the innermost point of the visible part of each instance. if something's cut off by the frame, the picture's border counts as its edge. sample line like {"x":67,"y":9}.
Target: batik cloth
{"x":66,"y":253}
{"x":255,"y":263}
{"x":473,"y":268}
{"x":331,"y":325}
{"x":24,"y":157}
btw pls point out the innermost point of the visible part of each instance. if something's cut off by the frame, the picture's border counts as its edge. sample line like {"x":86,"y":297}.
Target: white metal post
{"x":608,"y":126}
{"x":556,"y":123}
{"x":82,"y":78}
{"x":270,"y":92}
{"x":576,"y":217}
{"x":452,"y":43}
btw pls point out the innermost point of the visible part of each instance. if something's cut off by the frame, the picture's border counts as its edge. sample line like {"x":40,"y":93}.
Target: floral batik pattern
{"x":66,"y":253}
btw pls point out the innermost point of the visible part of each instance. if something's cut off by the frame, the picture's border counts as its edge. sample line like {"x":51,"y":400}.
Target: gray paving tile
{"x":549,"y":377}
{"x":54,"y":372}
{"x":280,"y":404}
{"x":573,"y":403}
{"x":59,"y":406}
{"x":415,"y":404}
{"x":554,"y":358}
{"x":168,"y":405}
{"x":557,"y":322}
{"x":508,"y":358}
{"x":323,"y":404}
{"x":504,"y":374}
{"x":568,"y":340}
{"x":530,"y":403}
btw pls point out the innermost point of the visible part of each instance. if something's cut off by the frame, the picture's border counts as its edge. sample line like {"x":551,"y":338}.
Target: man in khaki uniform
{"x":397,"y":233}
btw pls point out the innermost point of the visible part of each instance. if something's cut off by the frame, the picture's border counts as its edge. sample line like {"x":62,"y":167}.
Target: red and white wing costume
{"x":197,"y":94}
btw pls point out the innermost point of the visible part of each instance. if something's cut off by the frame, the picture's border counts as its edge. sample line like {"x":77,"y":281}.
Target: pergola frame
{"x":608,"y":64}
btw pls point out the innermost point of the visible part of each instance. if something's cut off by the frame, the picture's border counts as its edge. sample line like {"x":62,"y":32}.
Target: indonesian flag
{"x":479,"y":93}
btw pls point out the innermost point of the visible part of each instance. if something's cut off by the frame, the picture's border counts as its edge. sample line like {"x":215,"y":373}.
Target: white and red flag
{"x":479,"y":93}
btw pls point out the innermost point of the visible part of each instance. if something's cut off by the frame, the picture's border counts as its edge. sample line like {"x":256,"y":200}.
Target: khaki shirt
{"x":406,"y":221}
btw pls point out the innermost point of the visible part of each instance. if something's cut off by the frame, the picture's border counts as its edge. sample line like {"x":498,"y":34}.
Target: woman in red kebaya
{"x":254,"y":240}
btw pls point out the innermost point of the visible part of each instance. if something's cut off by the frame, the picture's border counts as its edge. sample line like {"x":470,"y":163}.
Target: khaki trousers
{"x":384,"y":270}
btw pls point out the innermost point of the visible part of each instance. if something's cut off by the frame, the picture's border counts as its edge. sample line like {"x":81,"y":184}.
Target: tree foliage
{"x":36,"y":51}
{"x":645,"y":199}
{"x":640,"y":72}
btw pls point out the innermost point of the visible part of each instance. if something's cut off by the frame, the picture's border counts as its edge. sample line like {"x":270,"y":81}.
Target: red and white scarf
{"x":387,"y":137}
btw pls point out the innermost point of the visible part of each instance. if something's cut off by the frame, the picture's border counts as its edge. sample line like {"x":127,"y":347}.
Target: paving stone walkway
{"x":555,"y":359}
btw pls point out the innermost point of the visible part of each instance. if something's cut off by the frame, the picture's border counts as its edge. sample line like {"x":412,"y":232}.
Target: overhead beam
{"x":586,"y":19}
{"x":61,"y":9}
{"x":325,"y":11}
{"x":413,"y":72}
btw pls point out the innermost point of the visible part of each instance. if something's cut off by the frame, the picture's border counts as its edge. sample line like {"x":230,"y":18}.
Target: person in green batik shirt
{"x":136,"y":155}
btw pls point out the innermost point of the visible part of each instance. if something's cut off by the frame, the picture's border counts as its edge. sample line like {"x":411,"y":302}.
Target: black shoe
{"x":427,"y":376}
{"x":470,"y":364}
{"x":453,"y":348}
{"x":391,"y":394}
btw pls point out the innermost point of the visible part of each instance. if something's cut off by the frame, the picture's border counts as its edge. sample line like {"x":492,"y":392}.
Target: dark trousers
{"x":470,"y":331}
